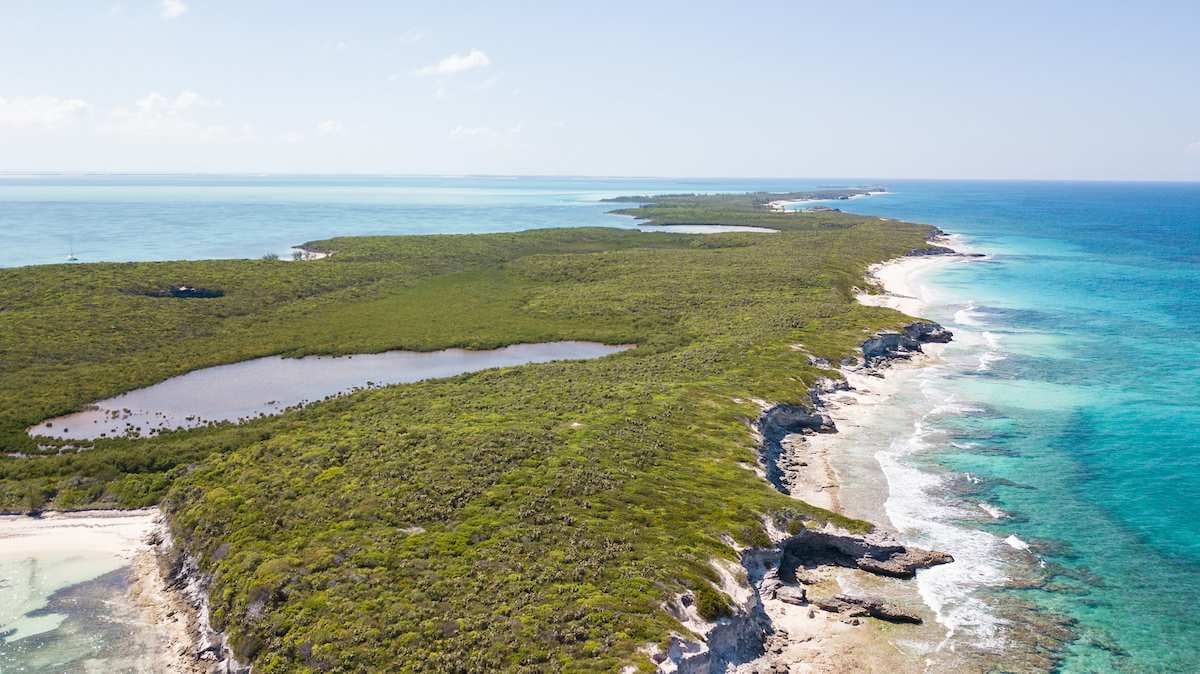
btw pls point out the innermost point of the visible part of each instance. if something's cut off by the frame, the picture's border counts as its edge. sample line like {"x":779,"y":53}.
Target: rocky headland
{"x":167,"y":587}
{"x":788,"y":601}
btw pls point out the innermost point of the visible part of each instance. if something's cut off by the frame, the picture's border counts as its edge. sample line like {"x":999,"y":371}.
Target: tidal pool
{"x":266,"y":386}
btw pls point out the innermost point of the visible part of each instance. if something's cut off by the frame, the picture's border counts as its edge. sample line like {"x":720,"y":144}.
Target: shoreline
{"x":781,"y":205}
{"x":169,"y":601}
{"x":172,"y":595}
{"x":828,"y":600}
{"x":824,"y":469}
{"x":883,"y":419}
{"x":172,"y":620}
{"x":815,"y":632}
{"x":872,"y":390}
{"x":302,"y":254}
{"x":78,"y":549}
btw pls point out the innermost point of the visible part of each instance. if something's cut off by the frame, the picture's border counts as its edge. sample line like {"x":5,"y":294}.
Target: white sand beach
{"x":101,"y":564}
{"x":841,"y":472}
{"x":42,"y":555}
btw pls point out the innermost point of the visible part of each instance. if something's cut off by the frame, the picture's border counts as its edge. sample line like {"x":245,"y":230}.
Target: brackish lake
{"x":706,"y":229}
{"x":271,"y":385}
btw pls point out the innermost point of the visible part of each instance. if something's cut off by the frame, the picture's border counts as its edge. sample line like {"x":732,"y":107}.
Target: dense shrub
{"x":524,"y":519}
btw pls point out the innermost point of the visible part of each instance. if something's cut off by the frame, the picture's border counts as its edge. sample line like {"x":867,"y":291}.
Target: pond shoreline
{"x":272,"y":385}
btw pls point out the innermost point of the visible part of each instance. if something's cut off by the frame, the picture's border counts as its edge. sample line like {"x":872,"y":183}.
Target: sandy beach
{"x":828,"y":470}
{"x":118,"y":534}
{"x":840,"y":472}
{"x":107,"y":559}
{"x":171,"y":634}
{"x":837,"y":477}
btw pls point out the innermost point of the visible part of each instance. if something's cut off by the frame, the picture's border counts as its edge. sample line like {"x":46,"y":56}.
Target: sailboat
{"x":71,"y":256}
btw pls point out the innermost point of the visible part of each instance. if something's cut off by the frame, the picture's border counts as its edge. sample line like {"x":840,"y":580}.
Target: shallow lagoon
{"x":45,"y":218}
{"x":63,"y":584}
{"x":266,"y":386}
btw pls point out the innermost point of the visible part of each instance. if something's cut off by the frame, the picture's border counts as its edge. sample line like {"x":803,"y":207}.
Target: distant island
{"x":626,"y":512}
{"x":754,"y":198}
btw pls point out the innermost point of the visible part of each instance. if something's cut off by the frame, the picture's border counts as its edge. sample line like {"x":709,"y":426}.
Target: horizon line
{"x":11,"y":173}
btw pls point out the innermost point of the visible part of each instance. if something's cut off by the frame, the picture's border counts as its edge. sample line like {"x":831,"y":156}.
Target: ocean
{"x":1064,"y":420}
{"x":1052,"y":447}
{"x":47,"y":219}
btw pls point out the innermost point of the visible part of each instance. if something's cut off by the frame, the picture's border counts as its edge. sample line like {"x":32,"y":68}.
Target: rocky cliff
{"x":887,"y":346}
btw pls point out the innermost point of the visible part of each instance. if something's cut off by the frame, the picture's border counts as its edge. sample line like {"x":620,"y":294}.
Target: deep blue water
{"x":1081,"y":424}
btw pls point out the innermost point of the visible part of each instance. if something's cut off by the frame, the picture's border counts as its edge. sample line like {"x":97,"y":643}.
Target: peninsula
{"x":621,"y":512}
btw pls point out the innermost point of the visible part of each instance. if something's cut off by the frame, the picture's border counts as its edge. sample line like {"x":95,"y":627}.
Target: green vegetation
{"x":741,"y":209}
{"x":710,"y":603}
{"x":529,"y":518}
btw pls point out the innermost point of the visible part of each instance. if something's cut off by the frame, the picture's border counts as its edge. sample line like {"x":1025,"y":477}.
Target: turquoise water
{"x":43,"y":219}
{"x":1068,"y":406}
{"x":1074,"y":407}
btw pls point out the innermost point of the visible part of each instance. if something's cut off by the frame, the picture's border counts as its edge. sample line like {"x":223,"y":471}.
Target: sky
{"x":792,"y":89}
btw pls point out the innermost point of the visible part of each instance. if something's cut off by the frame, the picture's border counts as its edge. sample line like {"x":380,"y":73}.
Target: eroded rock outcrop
{"x":209,"y":646}
{"x":872,"y":553}
{"x":887,"y":346}
{"x":860,"y":607}
{"x":727,"y":640}
{"x":931,"y":250}
{"x":774,"y":427}
{"x":781,"y":572}
{"x":785,"y":419}
{"x":903,"y":564}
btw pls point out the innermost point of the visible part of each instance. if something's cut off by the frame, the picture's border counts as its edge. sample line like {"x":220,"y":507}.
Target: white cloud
{"x":1193,"y":148}
{"x":178,"y":118}
{"x":457,"y":63}
{"x":172,"y":9}
{"x":47,"y":112}
{"x":330,"y":127}
{"x":157,"y":104}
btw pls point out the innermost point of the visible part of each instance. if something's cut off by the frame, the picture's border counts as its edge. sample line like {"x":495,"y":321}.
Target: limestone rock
{"x":904,"y":564}
{"x":792,"y":594}
{"x":856,"y":607}
{"x":887,"y":346}
{"x":930,"y":250}
{"x":787,"y":419}
{"x":809,"y":549}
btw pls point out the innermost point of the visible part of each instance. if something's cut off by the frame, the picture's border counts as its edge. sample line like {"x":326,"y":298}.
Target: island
{"x":623,"y":512}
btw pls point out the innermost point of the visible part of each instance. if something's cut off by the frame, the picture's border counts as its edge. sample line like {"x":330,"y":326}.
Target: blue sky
{"x":972,"y":90}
